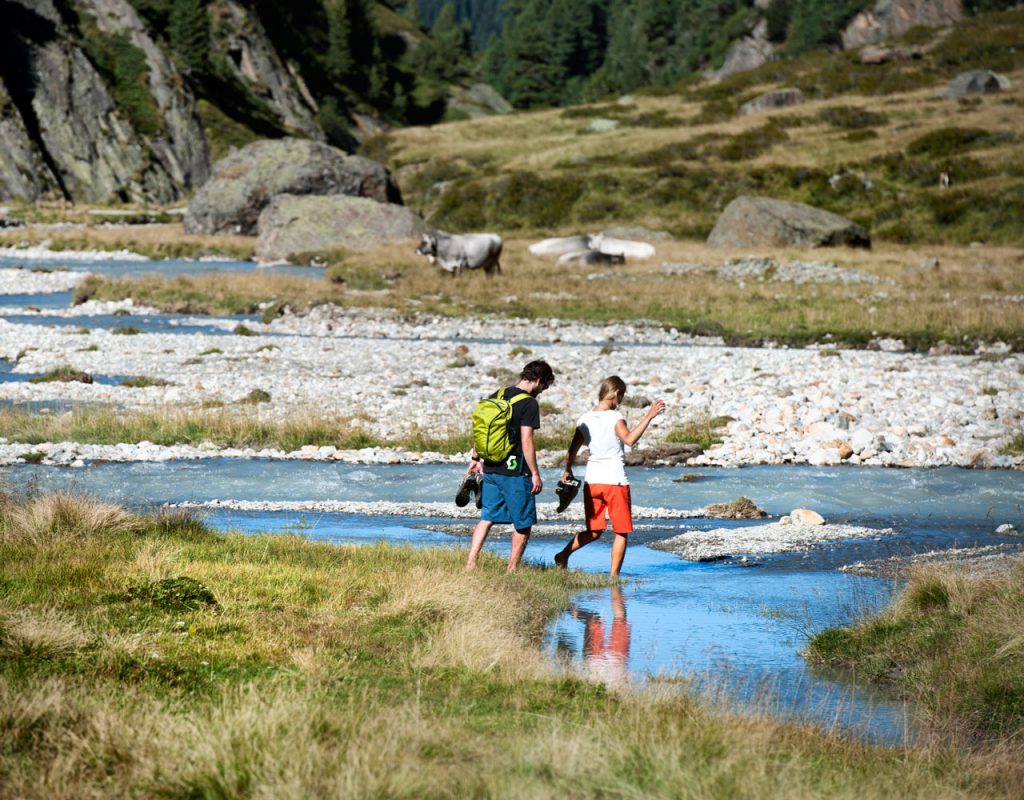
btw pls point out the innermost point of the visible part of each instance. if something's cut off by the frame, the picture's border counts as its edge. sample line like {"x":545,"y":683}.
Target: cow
{"x":456,"y":252}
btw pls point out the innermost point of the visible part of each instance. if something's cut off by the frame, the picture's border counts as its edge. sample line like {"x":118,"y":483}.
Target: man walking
{"x":510,"y":486}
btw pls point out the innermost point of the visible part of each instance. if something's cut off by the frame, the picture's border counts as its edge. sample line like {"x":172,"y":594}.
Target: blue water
{"x":146,"y":323}
{"x":731,"y":628}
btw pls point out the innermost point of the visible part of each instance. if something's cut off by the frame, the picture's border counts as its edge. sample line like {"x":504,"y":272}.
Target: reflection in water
{"x":606,"y":651}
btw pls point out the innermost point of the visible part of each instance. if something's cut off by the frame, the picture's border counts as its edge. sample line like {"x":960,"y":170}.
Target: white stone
{"x":805,"y":516}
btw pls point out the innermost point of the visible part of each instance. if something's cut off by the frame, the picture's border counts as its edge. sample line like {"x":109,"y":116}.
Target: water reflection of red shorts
{"x":604,"y":498}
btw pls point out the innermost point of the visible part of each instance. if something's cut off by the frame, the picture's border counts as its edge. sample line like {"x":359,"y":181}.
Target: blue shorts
{"x":509,"y":500}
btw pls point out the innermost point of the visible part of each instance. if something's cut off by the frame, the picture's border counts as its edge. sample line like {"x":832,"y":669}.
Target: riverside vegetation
{"x":148,"y":655}
{"x":952,"y":643}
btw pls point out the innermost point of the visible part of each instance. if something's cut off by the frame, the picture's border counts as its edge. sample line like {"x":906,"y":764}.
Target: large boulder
{"x":300,"y":224}
{"x":974,"y":82}
{"x":244,"y":182}
{"x":890,"y":19}
{"x":747,"y":53}
{"x":764,"y":222}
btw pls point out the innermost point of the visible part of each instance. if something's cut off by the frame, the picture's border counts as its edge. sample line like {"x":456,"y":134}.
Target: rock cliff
{"x":94,"y":107}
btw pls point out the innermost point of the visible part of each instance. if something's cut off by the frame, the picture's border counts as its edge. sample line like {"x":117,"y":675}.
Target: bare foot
{"x":561,"y":561}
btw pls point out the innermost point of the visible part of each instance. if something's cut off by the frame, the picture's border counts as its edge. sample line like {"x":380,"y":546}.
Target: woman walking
{"x":605,"y":489}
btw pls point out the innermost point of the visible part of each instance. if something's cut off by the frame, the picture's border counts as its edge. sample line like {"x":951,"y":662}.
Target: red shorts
{"x":604,"y":498}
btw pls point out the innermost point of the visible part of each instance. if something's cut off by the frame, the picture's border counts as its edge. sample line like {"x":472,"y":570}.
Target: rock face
{"x":892,"y":18}
{"x":23,"y":173}
{"x":293,"y":224}
{"x":747,"y":53}
{"x":762,"y":221}
{"x":254,"y":62}
{"x":780,"y":98}
{"x":181,"y":146}
{"x":89,"y":147}
{"x":244,"y":182}
{"x":976,"y":81}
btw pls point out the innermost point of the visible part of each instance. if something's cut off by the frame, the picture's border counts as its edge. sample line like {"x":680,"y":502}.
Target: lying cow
{"x":456,"y":252}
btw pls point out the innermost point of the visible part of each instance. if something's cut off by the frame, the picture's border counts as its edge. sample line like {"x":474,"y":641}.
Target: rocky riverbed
{"x":396,"y":375}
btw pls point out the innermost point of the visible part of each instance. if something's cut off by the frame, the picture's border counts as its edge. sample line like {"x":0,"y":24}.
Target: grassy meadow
{"x":145,"y":656}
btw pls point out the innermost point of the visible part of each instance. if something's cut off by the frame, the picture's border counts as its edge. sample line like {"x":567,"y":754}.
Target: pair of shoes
{"x":566,"y":491}
{"x":471,"y":484}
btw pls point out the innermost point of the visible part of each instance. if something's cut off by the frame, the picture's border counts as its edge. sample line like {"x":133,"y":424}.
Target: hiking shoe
{"x":478,"y":490}
{"x":466,"y":488}
{"x":566,"y":491}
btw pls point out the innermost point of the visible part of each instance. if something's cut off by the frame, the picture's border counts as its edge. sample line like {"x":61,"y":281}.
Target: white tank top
{"x":606,"y":463}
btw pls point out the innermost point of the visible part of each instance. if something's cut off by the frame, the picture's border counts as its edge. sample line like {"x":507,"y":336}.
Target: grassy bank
{"x":219,"y":294}
{"x":952,"y":642}
{"x":231,"y":427}
{"x":968,"y":298}
{"x":149,"y":656}
{"x":166,"y":240}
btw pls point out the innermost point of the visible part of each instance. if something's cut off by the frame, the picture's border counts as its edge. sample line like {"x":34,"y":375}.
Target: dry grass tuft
{"x":63,"y":516}
{"x":40,"y":633}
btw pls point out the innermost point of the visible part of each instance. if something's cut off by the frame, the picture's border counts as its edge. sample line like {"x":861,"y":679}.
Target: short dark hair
{"x":538,"y":371}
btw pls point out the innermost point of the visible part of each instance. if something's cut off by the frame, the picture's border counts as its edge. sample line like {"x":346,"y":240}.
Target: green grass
{"x":63,"y":374}
{"x":144,"y":382}
{"x":951,"y":643}
{"x":702,"y":431}
{"x":154,"y":655}
{"x":1014,"y":446}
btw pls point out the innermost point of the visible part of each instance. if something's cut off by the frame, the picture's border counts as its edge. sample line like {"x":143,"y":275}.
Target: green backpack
{"x":492,"y":418}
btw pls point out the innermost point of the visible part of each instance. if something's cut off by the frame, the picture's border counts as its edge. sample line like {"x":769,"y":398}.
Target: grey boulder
{"x":292,"y":224}
{"x":763,"y":221}
{"x":244,"y":182}
{"x":779,"y":98}
{"x":974,"y":82}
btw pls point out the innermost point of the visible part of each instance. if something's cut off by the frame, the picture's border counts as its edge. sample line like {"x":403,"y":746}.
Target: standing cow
{"x":456,"y":252}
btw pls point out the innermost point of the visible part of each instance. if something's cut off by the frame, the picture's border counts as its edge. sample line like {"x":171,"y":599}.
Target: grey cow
{"x":456,"y":252}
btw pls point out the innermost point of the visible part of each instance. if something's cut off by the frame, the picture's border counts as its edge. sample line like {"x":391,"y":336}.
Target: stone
{"x":764,"y":222}
{"x":663,"y":455}
{"x":890,"y":19}
{"x":246,"y":181}
{"x":292,"y":225}
{"x":805,"y":516}
{"x":477,"y":100}
{"x":778,"y":98}
{"x":1006,"y":529}
{"x":975,"y":82}
{"x":785,"y":520}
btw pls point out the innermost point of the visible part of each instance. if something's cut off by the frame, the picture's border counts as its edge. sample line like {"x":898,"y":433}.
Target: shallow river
{"x":735,"y":627}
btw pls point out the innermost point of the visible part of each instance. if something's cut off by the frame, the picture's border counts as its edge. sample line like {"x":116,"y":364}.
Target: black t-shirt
{"x":525,"y":413}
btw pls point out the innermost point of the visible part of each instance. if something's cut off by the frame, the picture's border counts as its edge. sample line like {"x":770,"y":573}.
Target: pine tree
{"x":189,"y":33}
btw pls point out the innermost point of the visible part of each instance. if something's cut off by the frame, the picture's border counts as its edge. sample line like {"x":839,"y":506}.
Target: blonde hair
{"x":613,"y":385}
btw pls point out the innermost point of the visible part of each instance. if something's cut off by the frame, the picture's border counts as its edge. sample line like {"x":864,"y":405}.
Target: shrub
{"x":256,"y":396}
{"x":851,"y":117}
{"x":946,"y":142}
{"x":243,"y":330}
{"x":125,"y":330}
{"x":173,"y":594}
{"x":752,"y":143}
